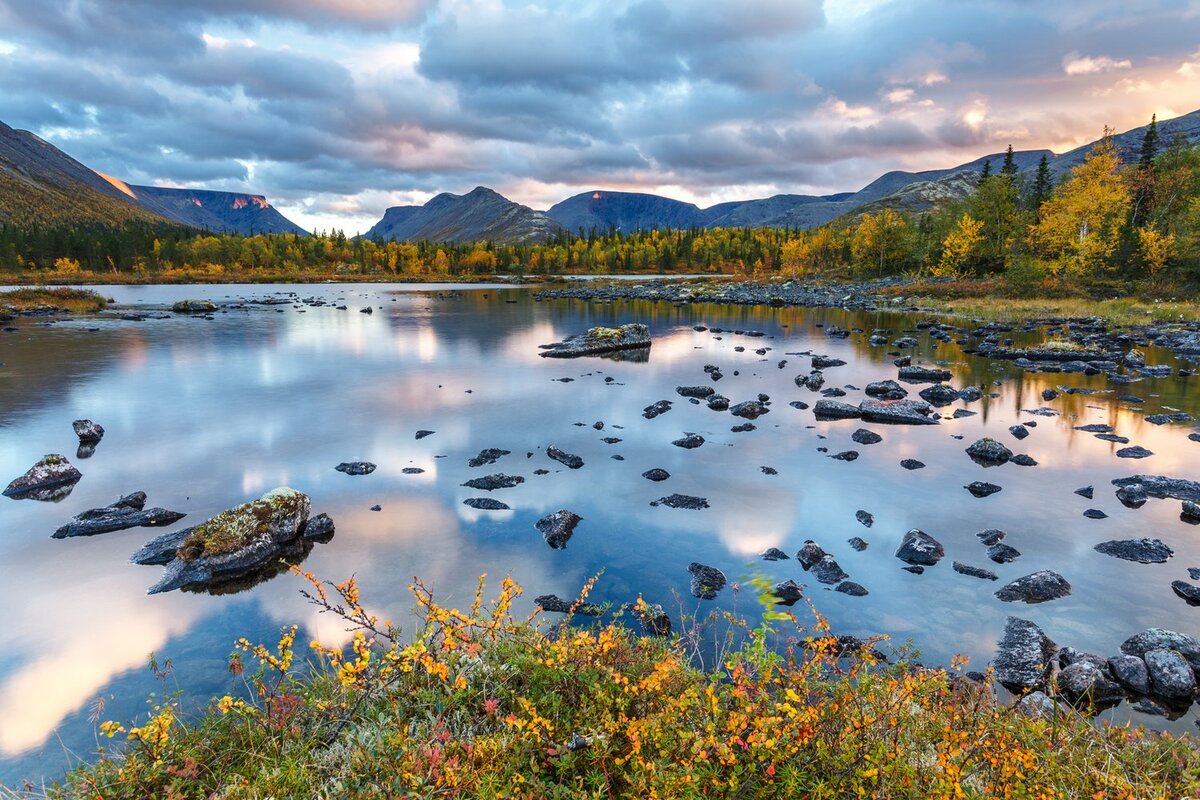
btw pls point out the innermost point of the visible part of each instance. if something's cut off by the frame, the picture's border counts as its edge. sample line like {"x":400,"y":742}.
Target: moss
{"x":605,"y":333}
{"x":1063,"y":346}
{"x":235,"y":528}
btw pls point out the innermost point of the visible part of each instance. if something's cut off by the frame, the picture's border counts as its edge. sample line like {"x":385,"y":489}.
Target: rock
{"x":356,"y":467}
{"x":773,"y":554}
{"x":706,"y":580}
{"x":1024,"y":658}
{"x":1163,"y":419}
{"x":1038,"y":587}
{"x":769,"y":470}
{"x":857,"y":543}
{"x":700,"y":392}
{"x":1137,"y":451}
{"x":897,"y":412}
{"x":751,"y":409}
{"x":488,"y":455}
{"x":490,"y":483}
{"x":845,"y":455}
{"x":51,"y":478}
{"x":810,"y":553}
{"x":918,"y":547}
{"x":825,"y":362}
{"x":989,"y":453}
{"x":835,"y":409}
{"x":1002,"y":553}
{"x":422,"y":434}
{"x":1019,"y":431}
{"x":827,"y":570}
{"x":916,"y":374}
{"x":1112,"y":437}
{"x":555,"y":604}
{"x":991,"y":536}
{"x":1190,"y":512}
{"x":912,"y":463}
{"x":657,"y":474}
{"x":1083,"y":682}
{"x":787,"y":593}
{"x":600,"y":340}
{"x":851,"y":588}
{"x":982,"y":488}
{"x":1143,"y":551}
{"x":318,"y":529}
{"x":864,"y":437}
{"x":915,"y":569}
{"x":412,"y":471}
{"x":1095,"y":513}
{"x":1023,"y":460}
{"x":1049,"y":394}
{"x":193,"y":307}
{"x":886,"y":390}
{"x":1130,"y":672}
{"x":656,"y":409}
{"x":812,"y":381}
{"x":718,"y":402}
{"x":1086,"y":492}
{"x":939,"y":394}
{"x":1095,"y":427}
{"x":687,"y":501}
{"x":235,"y":542}
{"x":161,"y":549}
{"x":689,"y":442}
{"x":1162,"y":639}
{"x":1171,"y":678}
{"x":557,"y":528}
{"x":1163,"y":487}
{"x":88,"y":431}
{"x":974,"y":572}
{"x":1132,"y":495}
{"x":569,"y":460}
{"x":127,"y":512}
{"x":864,"y":517}
{"x":1187,"y":591}
{"x":654,"y":619}
{"x":1037,"y":705}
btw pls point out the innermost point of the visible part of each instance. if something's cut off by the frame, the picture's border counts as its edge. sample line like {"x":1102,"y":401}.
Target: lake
{"x":205,"y":414}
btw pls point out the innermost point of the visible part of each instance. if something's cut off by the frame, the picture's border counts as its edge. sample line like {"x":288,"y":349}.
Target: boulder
{"x":1137,"y":451}
{"x":864,"y":437}
{"x":974,"y":572}
{"x":912,"y":463}
{"x":1171,"y":678}
{"x":1037,"y":587}
{"x":569,"y":460}
{"x":318,"y":529}
{"x":886,"y":390}
{"x":827,"y":570}
{"x":87,"y":431}
{"x":1130,"y":672}
{"x":126,"y":512}
{"x":490,"y":483}
{"x":835,"y":409}
{"x":599,"y":340}
{"x":989,"y":453}
{"x":1085,"y":683}
{"x":1190,"y":512}
{"x":1024,"y":658}
{"x":1132,"y":495}
{"x":939,"y":394}
{"x":657,"y":474}
{"x":486,"y":504}
{"x":558,"y":527}
{"x":1187,"y":591}
{"x":1003,"y":553}
{"x":851,"y":588}
{"x":809,"y":553}
{"x":689,"y":442}
{"x":897,"y":412}
{"x":718,"y":402}
{"x":1143,"y":551}
{"x":982,"y":488}
{"x":865,"y":518}
{"x":919,"y":548}
{"x":51,"y":478}
{"x":489,"y":455}
{"x":918,"y":374}
{"x":700,"y":392}
{"x":1162,"y":639}
{"x":826,"y":362}
{"x":1163,"y":487}
{"x":687,"y":501}
{"x":706,"y":580}
{"x":773,"y":554}
{"x":656,"y":409}
{"x":751,"y":409}
{"x":356,"y":467}
{"x":1019,"y":431}
{"x":193,"y":306}
{"x":787,"y":593}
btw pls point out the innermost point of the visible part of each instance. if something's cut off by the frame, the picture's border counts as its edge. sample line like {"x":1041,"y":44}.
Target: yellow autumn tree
{"x":1154,"y":248}
{"x":879,"y":241}
{"x":1080,"y":226}
{"x":960,"y":247}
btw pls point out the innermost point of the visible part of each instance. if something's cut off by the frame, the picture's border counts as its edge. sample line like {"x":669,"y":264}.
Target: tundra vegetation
{"x":481,"y":703}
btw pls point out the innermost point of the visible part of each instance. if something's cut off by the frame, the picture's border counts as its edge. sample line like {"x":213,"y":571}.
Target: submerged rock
{"x":706,"y":580}
{"x":600,"y":340}
{"x":127,"y":512}
{"x":689,"y":442}
{"x":569,"y":460}
{"x":87,"y":431}
{"x":234,"y":543}
{"x":356,"y":467}
{"x":1024,"y":659}
{"x":486,"y":504}
{"x":657,"y":474}
{"x":1037,"y":587}
{"x":982,"y":488}
{"x":918,"y":547}
{"x":687,"y":501}
{"x":555,"y":604}
{"x":1144,"y":551}
{"x":490,"y":483}
{"x":828,"y":570}
{"x":557,"y":528}
{"x":489,"y":455}
{"x":51,"y":478}
{"x":858,"y":543}
{"x":787,"y":593}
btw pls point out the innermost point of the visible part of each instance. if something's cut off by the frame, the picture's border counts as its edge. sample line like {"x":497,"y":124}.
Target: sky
{"x":338,"y":109}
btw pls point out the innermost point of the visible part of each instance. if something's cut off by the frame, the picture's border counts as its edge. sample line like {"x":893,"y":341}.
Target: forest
{"x":1105,"y":221}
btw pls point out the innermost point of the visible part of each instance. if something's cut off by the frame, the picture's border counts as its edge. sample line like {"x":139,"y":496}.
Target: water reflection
{"x":204,"y":415}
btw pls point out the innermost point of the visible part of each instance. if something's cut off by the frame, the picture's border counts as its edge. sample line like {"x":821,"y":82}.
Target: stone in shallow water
{"x":1024,"y":657}
{"x":865,"y":437}
{"x":912,"y":463}
{"x":773,"y":554}
{"x":1037,"y":587}
{"x":851,"y":588}
{"x":1144,"y":551}
{"x":412,"y":471}
{"x":423,"y":434}
{"x":974,"y":572}
{"x":569,"y":460}
{"x":689,"y":442}
{"x":656,"y":474}
{"x":827,"y":570}
{"x":700,"y":392}
{"x":557,"y":528}
{"x":706,"y":580}
{"x":88,"y":431}
{"x":682,"y":501}
{"x":864,"y":517}
{"x":488,"y":455}
{"x":356,"y":467}
{"x":1087,"y":683}
{"x":845,"y":455}
{"x":898,"y":412}
{"x":1130,"y":672}
{"x":991,"y":536}
{"x":1003,"y":553}
{"x":809,"y":553}
{"x":490,"y":483}
{"x":555,"y":604}
{"x":1137,"y":451}
{"x":1086,"y":492}
{"x":599,"y":340}
{"x":1019,"y":431}
{"x":919,"y":548}
{"x":485,"y":504}
{"x":857,"y":543}
{"x":835,"y":409}
{"x":51,"y":478}
{"x":1187,"y":591}
{"x":751,"y":409}
{"x":656,"y":409}
{"x":989,"y":453}
{"x":1171,"y":677}
{"x":1163,"y":639}
{"x":1162,"y":487}
{"x":787,"y":592}
{"x":126,"y":512}
{"x":982,"y":488}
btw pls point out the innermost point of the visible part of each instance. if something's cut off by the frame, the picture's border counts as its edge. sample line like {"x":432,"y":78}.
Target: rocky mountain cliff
{"x":479,"y":215}
{"x":219,"y":212}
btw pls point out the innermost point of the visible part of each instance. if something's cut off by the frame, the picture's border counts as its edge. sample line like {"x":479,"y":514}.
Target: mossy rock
{"x":236,"y":528}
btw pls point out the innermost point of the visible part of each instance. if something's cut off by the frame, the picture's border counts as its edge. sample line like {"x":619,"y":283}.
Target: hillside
{"x":624,"y":211}
{"x":220,"y":212}
{"x":479,"y":215}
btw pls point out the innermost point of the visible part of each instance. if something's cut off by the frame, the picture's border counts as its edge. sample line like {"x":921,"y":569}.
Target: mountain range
{"x":40,"y":184}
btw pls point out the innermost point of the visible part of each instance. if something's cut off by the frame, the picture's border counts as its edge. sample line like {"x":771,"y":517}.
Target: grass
{"x":78,"y":301}
{"x":479,"y":704}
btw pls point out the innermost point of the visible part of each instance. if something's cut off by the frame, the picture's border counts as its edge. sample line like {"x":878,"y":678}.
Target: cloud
{"x":1075,"y":64}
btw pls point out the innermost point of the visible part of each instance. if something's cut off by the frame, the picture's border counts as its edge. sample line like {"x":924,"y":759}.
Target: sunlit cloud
{"x":1075,"y":64}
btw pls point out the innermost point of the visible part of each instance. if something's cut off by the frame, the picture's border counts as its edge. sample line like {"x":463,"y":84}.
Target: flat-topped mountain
{"x":220,"y":212}
{"x":478,"y":215}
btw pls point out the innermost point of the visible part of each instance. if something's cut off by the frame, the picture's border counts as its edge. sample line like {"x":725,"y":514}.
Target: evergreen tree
{"x":986,"y":172}
{"x":1041,"y":183}
{"x":1010,"y":165}
{"x":1149,"y":144}
{"x":1143,"y":195}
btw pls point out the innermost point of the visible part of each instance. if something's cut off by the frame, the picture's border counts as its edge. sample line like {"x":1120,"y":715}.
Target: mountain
{"x":624,"y":211}
{"x":220,"y":212}
{"x":40,"y":184}
{"x":480,"y":215}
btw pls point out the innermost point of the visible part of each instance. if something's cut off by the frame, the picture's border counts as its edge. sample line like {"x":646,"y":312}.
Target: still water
{"x":203,"y":415}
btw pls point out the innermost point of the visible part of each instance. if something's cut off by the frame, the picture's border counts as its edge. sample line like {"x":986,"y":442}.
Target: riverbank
{"x":41,"y":301}
{"x":482,"y":704}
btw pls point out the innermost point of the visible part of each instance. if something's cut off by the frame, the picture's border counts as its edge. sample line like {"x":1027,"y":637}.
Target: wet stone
{"x":558,"y":528}
{"x":682,"y":501}
{"x":865,"y":517}
{"x":706,"y":580}
{"x":851,"y":588}
{"x":974,"y":572}
{"x":857,"y":543}
{"x":490,"y":483}
{"x":982,"y":488}
{"x":919,"y":548}
{"x":488,"y":455}
{"x":1037,"y":587}
{"x":864,"y":437}
{"x":1003,"y":553}
{"x":1137,"y":451}
{"x":356,"y":467}
{"x":569,"y":460}
{"x":485,"y":504}
{"x":827,"y":570}
{"x":689,"y":442}
{"x":656,"y":474}
{"x":912,"y":463}
{"x":1143,"y":551}
{"x":773,"y":554}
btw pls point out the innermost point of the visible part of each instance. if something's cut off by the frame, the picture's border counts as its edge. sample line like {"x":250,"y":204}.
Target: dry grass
{"x":78,"y":301}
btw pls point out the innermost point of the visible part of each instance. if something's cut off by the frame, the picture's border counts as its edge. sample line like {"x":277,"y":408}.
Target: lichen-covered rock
{"x":1143,"y":551}
{"x":1187,"y":591}
{"x":557,"y":528}
{"x":1037,"y":587}
{"x":1024,"y":658}
{"x":918,"y":547}
{"x":1171,"y":678}
{"x":897,"y":412}
{"x":1130,"y":672}
{"x":940,"y":394}
{"x":1084,"y":682}
{"x":236,"y":541}
{"x":706,"y":580}
{"x":356,"y":467}
{"x":1162,"y":639}
{"x":51,"y":478}
{"x":126,"y":512}
{"x":569,"y":460}
{"x":600,"y":340}
{"x":488,"y":455}
{"x":193,"y":306}
{"x":1002,"y":553}
{"x":989,"y":453}
{"x":88,"y":432}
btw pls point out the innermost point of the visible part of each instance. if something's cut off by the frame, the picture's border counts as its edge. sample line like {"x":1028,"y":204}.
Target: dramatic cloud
{"x":336,"y":109}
